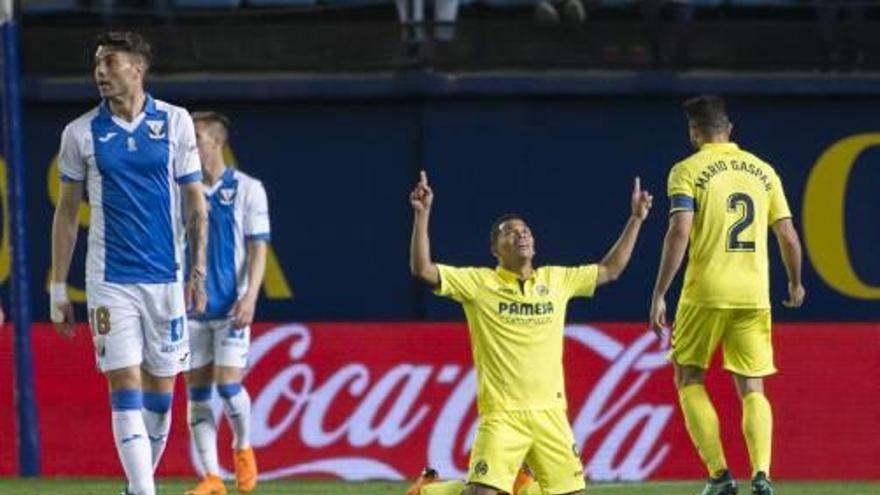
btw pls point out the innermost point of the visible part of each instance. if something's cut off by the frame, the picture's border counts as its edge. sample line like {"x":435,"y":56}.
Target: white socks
{"x":157,"y":418}
{"x":203,"y":429}
{"x":237,"y":405}
{"x":132,"y":441}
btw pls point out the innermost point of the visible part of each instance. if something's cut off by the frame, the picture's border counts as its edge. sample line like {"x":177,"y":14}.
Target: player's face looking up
{"x":118,"y":73}
{"x":514,"y":243}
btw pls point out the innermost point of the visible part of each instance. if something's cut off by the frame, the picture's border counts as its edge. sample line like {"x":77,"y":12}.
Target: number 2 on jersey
{"x":748,"y":216}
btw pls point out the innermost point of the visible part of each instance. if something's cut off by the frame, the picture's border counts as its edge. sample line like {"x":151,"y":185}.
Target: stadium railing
{"x":39,"y":7}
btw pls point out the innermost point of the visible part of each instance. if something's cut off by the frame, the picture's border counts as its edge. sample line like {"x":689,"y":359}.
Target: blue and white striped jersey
{"x":238,"y":212}
{"x":130,"y":168}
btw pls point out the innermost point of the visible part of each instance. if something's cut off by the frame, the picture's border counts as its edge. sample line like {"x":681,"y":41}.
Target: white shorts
{"x":139,"y":324}
{"x":215,"y":341}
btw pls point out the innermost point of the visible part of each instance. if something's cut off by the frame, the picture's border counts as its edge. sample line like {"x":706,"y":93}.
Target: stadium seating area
{"x":328,"y":36}
{"x":66,"y":6}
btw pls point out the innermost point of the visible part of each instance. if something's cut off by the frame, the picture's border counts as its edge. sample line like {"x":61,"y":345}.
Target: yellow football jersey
{"x":516,"y":329}
{"x":735,"y":197}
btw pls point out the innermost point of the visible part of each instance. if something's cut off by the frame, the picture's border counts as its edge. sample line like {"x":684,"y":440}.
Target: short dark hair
{"x":213,"y":117}
{"x":708,"y":113}
{"x":495,"y":231}
{"x":126,"y":41}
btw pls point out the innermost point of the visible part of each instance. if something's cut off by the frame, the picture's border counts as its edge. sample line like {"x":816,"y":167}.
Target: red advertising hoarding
{"x":382,"y":400}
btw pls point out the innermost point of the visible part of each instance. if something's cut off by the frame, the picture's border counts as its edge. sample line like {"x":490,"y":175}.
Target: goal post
{"x":19,"y":307}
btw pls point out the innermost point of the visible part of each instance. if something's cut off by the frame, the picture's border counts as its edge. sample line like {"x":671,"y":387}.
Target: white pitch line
{"x":631,"y":484}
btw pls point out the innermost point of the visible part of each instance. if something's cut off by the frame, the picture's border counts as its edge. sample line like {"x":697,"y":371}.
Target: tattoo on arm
{"x":197,"y":236}
{"x":197,"y":232}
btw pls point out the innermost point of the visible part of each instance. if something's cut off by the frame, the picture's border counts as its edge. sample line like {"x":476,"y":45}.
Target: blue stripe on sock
{"x":126,"y":400}
{"x":157,"y":402}
{"x":228,"y":390}
{"x":200,"y":394}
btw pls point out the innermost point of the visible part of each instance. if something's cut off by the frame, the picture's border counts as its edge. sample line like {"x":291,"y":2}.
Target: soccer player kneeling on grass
{"x":238,"y":233}
{"x":516,"y":315}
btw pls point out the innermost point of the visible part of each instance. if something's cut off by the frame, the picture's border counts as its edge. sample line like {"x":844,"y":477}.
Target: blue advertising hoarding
{"x":338,"y":175}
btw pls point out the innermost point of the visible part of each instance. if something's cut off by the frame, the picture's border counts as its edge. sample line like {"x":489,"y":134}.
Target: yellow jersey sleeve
{"x":459,"y":284}
{"x":778,"y":204}
{"x":680,"y":189}
{"x":580,"y":281}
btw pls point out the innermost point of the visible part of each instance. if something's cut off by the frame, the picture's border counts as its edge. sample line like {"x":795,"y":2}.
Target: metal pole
{"x":13,"y":145}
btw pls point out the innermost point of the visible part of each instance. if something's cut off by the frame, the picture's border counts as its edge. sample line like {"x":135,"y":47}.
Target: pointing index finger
{"x":423,"y":177}
{"x":638,"y":184}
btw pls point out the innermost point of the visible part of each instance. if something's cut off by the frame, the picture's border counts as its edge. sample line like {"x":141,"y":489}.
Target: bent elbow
{"x":612,"y":273}
{"x":419,"y":273}
{"x":792,"y":244}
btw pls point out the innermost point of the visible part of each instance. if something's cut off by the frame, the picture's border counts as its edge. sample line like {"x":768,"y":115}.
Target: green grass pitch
{"x":69,"y":486}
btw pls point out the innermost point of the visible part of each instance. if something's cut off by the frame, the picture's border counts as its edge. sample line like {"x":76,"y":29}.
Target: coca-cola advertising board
{"x":381,"y":400}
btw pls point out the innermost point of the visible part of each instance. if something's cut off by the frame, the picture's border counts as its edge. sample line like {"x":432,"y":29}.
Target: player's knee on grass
{"x":478,"y":489}
{"x":449,"y":487}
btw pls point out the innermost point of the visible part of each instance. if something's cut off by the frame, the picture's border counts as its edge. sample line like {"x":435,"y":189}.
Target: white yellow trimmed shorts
{"x":139,"y":325}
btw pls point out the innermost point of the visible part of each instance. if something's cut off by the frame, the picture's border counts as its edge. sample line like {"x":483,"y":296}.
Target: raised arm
{"x":613,"y":264}
{"x":197,"y":238}
{"x":420,"y":265}
{"x":674,"y":247}
{"x":65,"y":226}
{"x":790,"y":249}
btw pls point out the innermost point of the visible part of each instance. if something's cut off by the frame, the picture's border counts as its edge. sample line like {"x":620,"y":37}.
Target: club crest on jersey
{"x":157,"y":129}
{"x":132,"y":144}
{"x":481,"y":468}
{"x":227,"y":195}
{"x":542,"y":290}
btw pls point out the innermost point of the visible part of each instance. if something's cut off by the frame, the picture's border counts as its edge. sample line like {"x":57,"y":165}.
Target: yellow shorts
{"x":542,"y":439}
{"x":744,"y":333}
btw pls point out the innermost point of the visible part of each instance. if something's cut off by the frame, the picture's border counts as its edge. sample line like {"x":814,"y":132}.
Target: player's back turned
{"x":735,"y":197}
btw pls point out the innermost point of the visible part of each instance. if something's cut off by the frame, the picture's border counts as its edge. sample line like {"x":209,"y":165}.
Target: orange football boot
{"x":245,"y":470}
{"x":210,"y":485}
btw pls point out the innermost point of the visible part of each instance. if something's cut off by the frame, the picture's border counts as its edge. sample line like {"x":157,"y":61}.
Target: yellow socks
{"x":757,"y":425}
{"x":702,"y":425}
{"x":451,"y":487}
